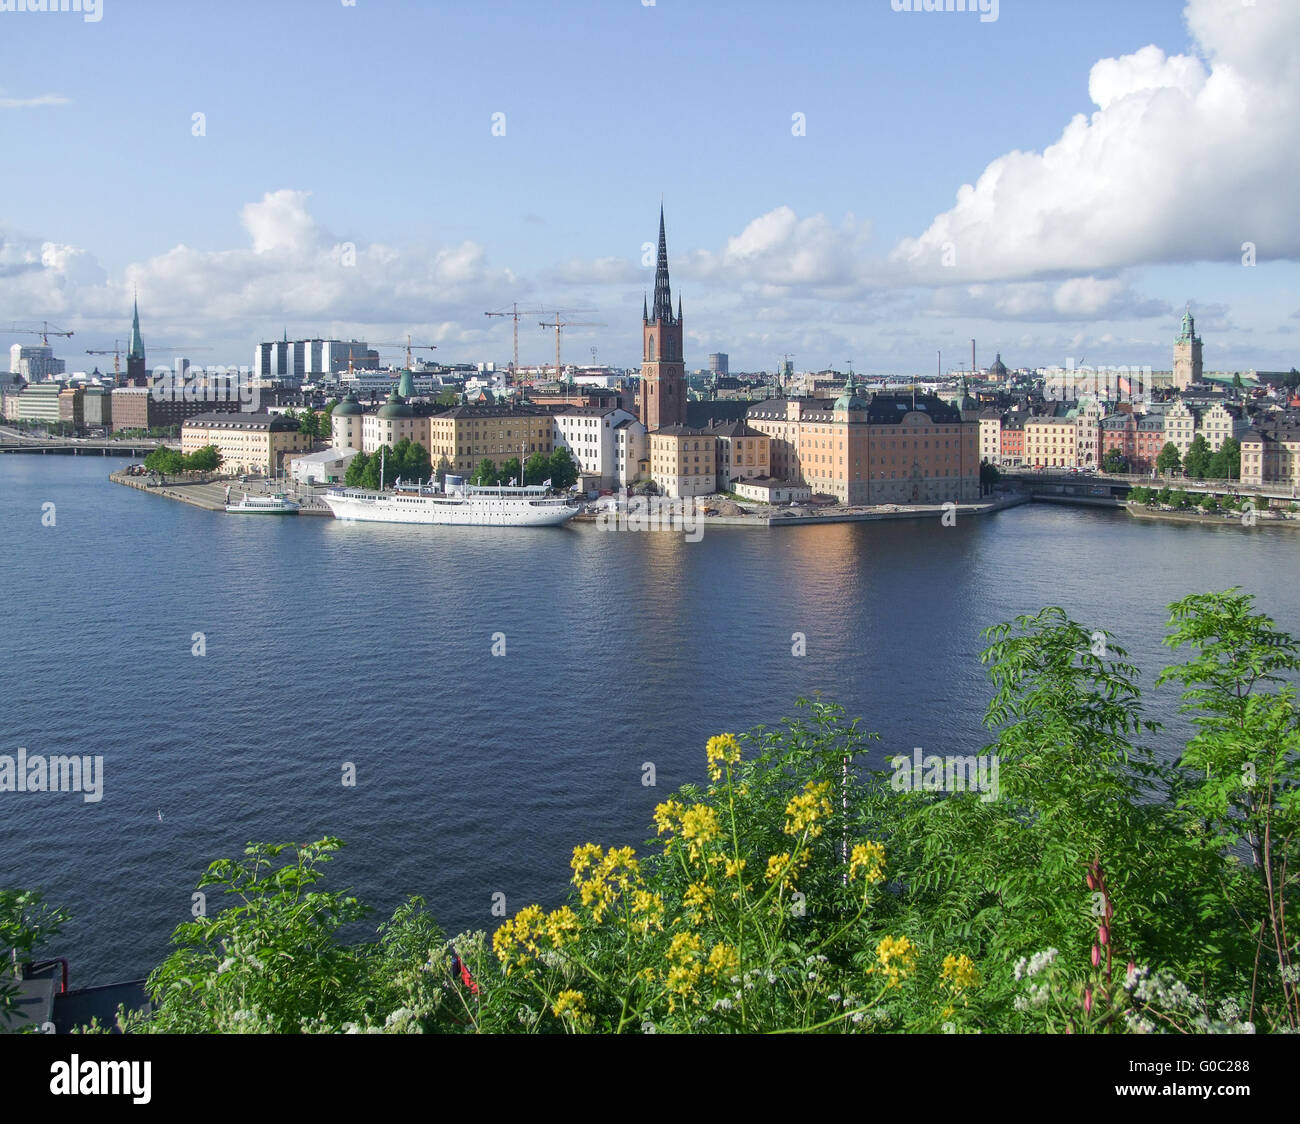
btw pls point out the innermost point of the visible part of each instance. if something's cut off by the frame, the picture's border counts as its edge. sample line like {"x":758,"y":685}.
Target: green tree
{"x":1114,"y":461}
{"x":1169,"y":460}
{"x":205,"y":459}
{"x":1197,"y":462}
{"x":1208,"y":503}
{"x":415,"y":463}
{"x":355,"y":477}
{"x":165,"y":461}
{"x":26,"y":923}
{"x":1139,"y":494}
{"x":486,"y":474}
{"x":537,"y":468}
{"x":1226,"y":463}
{"x":1236,"y":381}
{"x":562,"y":471}
{"x":309,"y":424}
{"x":1165,"y":496}
{"x":380,"y":464}
{"x":512,"y":471}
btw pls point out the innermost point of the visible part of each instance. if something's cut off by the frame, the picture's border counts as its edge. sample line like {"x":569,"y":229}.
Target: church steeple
{"x":136,"y":374}
{"x":663,"y":295}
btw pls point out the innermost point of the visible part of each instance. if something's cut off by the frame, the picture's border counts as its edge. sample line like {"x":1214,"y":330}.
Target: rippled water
{"x":329,"y":643}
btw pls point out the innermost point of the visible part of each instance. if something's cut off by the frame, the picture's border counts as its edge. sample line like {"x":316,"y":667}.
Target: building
{"x":1087,"y":433}
{"x":1222,"y":421}
{"x":606,"y":443}
{"x":718,"y":363}
{"x":393,"y":422}
{"x":137,"y":373}
{"x":683,"y":461}
{"x":1011,"y":440}
{"x":97,"y":405}
{"x":467,"y":435}
{"x":248,"y":442}
{"x":1270,"y":454}
{"x":140,"y":407}
{"x":770,"y":490}
{"x":329,"y":466}
{"x":663,"y":370}
{"x":743,"y":452}
{"x":72,"y":407}
{"x":1181,"y":425}
{"x":990,"y":436}
{"x":1051,"y":441}
{"x":35,"y":363}
{"x":893,"y":448}
{"x":297,"y":361}
{"x":1188,"y":366}
{"x":38,"y":402}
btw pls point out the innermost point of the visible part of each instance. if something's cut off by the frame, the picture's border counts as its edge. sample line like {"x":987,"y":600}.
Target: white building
{"x":604,"y":441}
{"x":293,"y":361}
{"x":326,"y":467}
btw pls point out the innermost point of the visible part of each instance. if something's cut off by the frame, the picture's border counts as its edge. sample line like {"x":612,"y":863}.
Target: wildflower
{"x":699,"y":896}
{"x":562,"y":926}
{"x":647,"y":911}
{"x":572,"y":1005}
{"x":778,"y":867}
{"x":897,"y":957}
{"x":668,"y":816}
{"x":804,"y":810}
{"x":958,"y":973}
{"x":721,"y":750}
{"x":723,"y":958}
{"x":699,"y":826}
{"x":734,"y":867}
{"x":583,"y":857}
{"x":868,"y":858}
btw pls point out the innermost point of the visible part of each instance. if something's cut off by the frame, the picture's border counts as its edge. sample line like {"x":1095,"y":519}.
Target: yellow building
{"x":466,"y":435}
{"x":247,"y":442}
{"x":683,"y":461}
{"x":890,"y":449}
{"x":1051,"y":442}
{"x":743,"y":453}
{"x":1271,"y":455}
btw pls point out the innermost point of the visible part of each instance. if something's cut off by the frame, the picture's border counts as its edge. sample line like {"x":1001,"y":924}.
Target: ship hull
{"x":476,"y":511}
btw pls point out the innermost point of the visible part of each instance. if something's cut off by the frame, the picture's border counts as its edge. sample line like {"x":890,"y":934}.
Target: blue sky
{"x":371,"y":125}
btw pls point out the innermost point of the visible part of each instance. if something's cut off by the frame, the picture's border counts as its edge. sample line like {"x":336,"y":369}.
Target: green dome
{"x":349,"y":407}
{"x":395,"y":407}
{"x":849,"y":400}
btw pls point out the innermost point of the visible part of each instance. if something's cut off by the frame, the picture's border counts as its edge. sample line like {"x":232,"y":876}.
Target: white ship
{"x":277,"y":504}
{"x":457,"y":503}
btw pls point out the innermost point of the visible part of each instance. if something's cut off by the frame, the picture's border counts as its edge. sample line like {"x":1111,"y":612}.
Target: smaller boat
{"x":275,"y":504}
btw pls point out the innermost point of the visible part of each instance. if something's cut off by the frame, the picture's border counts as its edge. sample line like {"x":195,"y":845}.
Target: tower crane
{"x":116,"y":352}
{"x":44,"y":331}
{"x":566,"y":324}
{"x":410,"y":360}
{"x":515,"y":312}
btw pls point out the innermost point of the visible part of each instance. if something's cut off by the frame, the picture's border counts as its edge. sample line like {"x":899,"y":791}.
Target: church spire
{"x":663,"y":295}
{"x":645,"y":309}
{"x":135,"y":349}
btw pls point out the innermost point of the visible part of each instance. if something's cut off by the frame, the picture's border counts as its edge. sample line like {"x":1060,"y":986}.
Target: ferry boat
{"x":455,"y":503}
{"x":276,"y":504}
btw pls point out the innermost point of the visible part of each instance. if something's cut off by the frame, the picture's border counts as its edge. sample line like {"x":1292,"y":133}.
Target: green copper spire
{"x":136,"y":348}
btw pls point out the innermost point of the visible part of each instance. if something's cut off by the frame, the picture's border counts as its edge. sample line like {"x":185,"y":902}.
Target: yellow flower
{"x":724,"y":961}
{"x":699,"y":826}
{"x":699,"y":896}
{"x":584,"y":857}
{"x":804,"y":810}
{"x":869,"y":858}
{"x":897,"y":957}
{"x":647,"y":910}
{"x":562,"y":926}
{"x":734,"y":867}
{"x":721,"y":750}
{"x":517,"y":938}
{"x":668,"y":816}
{"x":568,"y":1002}
{"x":959,"y":973}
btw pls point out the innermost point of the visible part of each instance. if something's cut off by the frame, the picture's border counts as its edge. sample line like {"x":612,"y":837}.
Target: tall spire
{"x":135,"y":349}
{"x":645,"y":308}
{"x":663,"y":313}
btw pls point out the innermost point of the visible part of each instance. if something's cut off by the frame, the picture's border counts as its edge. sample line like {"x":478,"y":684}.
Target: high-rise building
{"x":663,"y":371}
{"x":34,"y":363}
{"x":718,"y":363}
{"x":1187,"y":354}
{"x":293,"y":361}
{"x":136,"y":371}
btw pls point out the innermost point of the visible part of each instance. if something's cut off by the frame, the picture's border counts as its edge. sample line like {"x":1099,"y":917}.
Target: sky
{"x":842,"y":181}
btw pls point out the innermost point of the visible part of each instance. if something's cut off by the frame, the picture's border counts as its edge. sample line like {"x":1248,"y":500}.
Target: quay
{"x":210,"y":494}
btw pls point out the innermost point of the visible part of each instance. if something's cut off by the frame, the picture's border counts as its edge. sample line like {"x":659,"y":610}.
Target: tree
{"x":512,"y":472}
{"x":1114,"y":461}
{"x":562,"y":470}
{"x":485,"y":476}
{"x":380,"y":472}
{"x":1169,"y":460}
{"x":1236,"y":381}
{"x":205,"y":459}
{"x":1197,"y":462}
{"x":415,"y":462}
{"x":164,"y":461}
{"x":1226,"y":463}
{"x":537,"y":469}
{"x":1139,"y":494}
{"x":309,"y":424}
{"x":989,"y":477}
{"x":1209,"y":503}
{"x":355,"y":477}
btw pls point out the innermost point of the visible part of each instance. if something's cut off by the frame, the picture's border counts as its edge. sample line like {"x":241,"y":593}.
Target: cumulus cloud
{"x":1185,"y":158}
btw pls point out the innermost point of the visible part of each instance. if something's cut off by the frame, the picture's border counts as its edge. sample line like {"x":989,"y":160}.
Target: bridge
{"x":89,"y":447}
{"x":1107,"y":490}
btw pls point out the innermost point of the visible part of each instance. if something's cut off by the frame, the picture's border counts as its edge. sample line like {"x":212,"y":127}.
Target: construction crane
{"x":516,"y":312}
{"x":566,"y":324}
{"x":410,"y":360}
{"x":116,"y":352}
{"x":45,"y":331}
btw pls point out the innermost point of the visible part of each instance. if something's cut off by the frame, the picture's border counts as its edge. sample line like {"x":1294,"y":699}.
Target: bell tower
{"x":663,"y":371}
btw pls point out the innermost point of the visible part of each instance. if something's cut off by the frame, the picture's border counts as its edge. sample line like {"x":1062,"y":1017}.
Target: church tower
{"x":663,"y":371}
{"x":1187,"y":354}
{"x":136,"y":374}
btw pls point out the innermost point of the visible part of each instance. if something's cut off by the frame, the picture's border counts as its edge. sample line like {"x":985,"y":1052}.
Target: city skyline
{"x":1083,"y":237}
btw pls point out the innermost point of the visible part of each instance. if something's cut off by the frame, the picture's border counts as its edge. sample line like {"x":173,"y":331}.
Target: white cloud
{"x":28,"y":103}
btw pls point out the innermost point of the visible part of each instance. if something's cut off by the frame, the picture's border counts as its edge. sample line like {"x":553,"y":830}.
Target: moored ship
{"x":277,"y":504}
{"x":456,"y":503}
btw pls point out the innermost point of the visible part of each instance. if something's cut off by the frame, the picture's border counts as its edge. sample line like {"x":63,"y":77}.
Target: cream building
{"x":466,"y":435}
{"x":247,"y":442}
{"x":683,"y":461}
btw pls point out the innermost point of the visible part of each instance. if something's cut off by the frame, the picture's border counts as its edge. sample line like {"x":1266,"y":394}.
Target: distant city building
{"x":137,"y":373}
{"x":718,"y":363}
{"x":138,"y":407}
{"x":297,"y":361}
{"x":1187,"y":354}
{"x":663,"y":370}
{"x":35,"y":363}
{"x":37,"y":402}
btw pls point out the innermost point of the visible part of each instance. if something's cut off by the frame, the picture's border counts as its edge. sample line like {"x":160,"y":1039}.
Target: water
{"x":329,"y":643}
